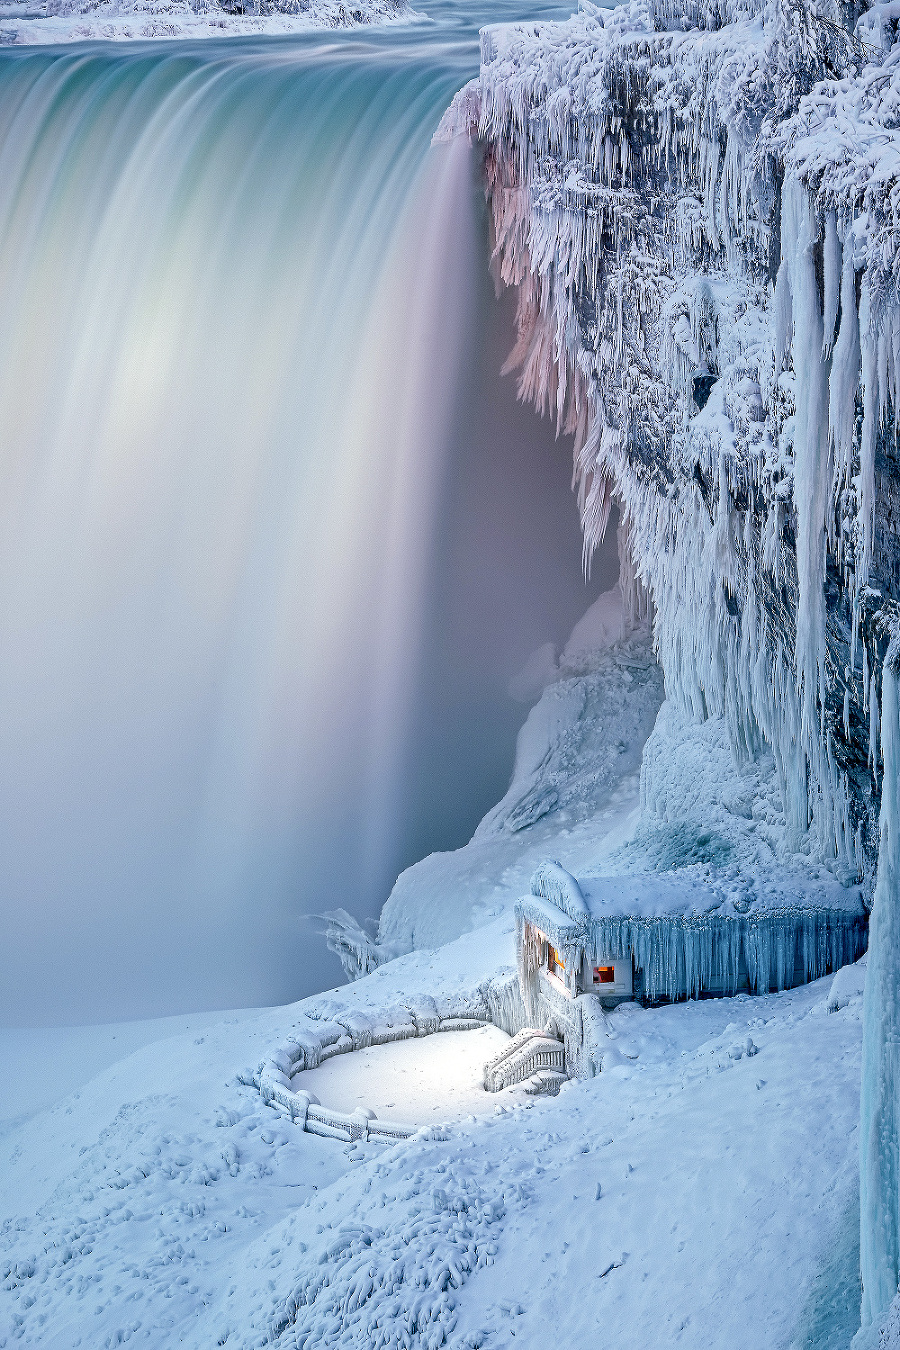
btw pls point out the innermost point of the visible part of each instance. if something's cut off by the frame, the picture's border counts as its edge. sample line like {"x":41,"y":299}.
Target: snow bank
{"x":57,"y":21}
{"x":848,"y":984}
{"x":41,"y":1065}
{"x":167,"y":1204}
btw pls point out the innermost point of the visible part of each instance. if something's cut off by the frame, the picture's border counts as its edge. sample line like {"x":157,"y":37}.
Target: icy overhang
{"x":499,"y":38}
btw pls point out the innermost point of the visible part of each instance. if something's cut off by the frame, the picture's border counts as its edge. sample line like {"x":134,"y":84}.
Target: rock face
{"x":699,"y":206}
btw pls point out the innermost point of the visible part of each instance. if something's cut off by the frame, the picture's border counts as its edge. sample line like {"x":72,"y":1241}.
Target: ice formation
{"x":880,"y":1118}
{"x":678,"y":240}
{"x":698,"y":206}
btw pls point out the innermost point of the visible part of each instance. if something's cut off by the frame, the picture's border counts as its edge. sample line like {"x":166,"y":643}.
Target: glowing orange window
{"x":604,"y":974}
{"x":555,"y":963}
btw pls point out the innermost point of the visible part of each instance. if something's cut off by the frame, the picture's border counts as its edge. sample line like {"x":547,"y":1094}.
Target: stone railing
{"x":527,"y":1054}
{"x":330,"y":1030}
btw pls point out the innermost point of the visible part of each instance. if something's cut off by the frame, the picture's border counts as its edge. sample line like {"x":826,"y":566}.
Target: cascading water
{"x":237,"y":294}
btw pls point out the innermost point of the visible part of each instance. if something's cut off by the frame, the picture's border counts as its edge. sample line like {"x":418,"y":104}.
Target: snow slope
{"x":574,"y":791}
{"x":700,"y":1193}
{"x":41,"y":1065}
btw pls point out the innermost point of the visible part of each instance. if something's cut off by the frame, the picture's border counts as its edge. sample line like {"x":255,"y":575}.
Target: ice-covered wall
{"x":698,"y":204}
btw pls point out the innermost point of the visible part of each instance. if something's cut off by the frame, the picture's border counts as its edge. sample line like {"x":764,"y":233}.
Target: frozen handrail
{"x":528,"y":1053}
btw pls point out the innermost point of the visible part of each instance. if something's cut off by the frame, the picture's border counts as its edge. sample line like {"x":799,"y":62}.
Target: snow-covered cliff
{"x":703,"y":254}
{"x":698,"y":205}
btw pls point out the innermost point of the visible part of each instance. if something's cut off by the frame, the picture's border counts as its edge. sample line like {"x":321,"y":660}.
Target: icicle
{"x":832,"y":270}
{"x":847,"y":713}
{"x":594,"y":274}
{"x":783,"y":317}
{"x":873,"y":730}
{"x":682,"y":956}
{"x":868,"y":343}
{"x":880,"y":1102}
{"x":844,"y":380}
{"x":799,"y":234}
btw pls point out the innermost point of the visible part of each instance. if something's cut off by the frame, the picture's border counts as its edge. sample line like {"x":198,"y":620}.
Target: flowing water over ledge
{"x":239,"y":301}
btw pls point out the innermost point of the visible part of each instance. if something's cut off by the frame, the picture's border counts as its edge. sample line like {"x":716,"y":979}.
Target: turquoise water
{"x":239,"y":297}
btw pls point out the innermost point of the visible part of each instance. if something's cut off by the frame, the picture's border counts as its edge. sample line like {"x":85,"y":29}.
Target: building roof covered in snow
{"x":690,"y":896}
{"x":688,"y":934}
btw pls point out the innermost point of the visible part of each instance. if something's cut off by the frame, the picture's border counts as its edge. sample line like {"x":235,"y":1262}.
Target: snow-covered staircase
{"x":546,"y":1083}
{"x":527,"y":1054}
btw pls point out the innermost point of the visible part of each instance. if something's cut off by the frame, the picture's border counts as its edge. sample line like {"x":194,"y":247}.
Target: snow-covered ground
{"x":701,"y":1191}
{"x":696,"y":1194}
{"x":420,"y":1081}
{"x":41,"y":1065}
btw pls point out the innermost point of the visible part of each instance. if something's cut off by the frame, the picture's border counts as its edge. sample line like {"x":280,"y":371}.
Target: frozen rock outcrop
{"x":698,"y":204}
{"x":705,"y":302}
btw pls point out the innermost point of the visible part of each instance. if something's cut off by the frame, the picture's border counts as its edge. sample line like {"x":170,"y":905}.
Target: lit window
{"x":555,"y":963}
{"x":604,"y":974}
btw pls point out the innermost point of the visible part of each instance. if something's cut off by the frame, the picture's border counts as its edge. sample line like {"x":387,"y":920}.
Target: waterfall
{"x":233,"y":293}
{"x":274,"y":536}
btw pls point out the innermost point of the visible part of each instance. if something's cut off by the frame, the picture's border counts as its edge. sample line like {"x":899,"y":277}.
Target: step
{"x":546,"y":1083}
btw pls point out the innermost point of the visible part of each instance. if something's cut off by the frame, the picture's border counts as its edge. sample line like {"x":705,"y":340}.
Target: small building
{"x":584,"y":947}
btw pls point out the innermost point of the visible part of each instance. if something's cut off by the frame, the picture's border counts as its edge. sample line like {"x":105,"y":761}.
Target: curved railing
{"x":334,"y":1031}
